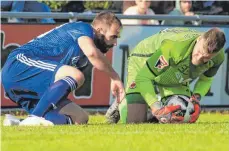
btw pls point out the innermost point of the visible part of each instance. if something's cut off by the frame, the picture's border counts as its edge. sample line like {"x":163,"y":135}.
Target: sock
{"x":57,"y":118}
{"x":56,"y":92}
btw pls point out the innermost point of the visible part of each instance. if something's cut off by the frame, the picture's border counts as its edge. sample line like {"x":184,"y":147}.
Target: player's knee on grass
{"x":137,"y":113}
{"x":133,"y":109}
{"x":75,"y":112}
{"x":65,"y":71}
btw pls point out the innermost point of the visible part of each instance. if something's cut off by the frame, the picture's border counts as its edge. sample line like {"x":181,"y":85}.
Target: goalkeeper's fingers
{"x":177,"y":119}
{"x":195,"y":115}
{"x":172,"y":108}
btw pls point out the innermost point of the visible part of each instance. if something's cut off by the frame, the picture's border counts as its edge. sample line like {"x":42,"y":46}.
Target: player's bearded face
{"x":101,"y":44}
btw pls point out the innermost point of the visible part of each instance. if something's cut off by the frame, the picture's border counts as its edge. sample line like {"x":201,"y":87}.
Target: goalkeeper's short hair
{"x":215,"y":40}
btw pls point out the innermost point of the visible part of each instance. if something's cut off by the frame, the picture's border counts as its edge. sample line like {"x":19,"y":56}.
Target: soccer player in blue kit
{"x":40,"y":74}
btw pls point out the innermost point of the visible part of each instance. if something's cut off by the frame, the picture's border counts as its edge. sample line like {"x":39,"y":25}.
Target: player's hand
{"x":164,"y":114}
{"x":195,"y":99}
{"x":117,"y":89}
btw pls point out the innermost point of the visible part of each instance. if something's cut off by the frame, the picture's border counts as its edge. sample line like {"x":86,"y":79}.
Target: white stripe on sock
{"x":68,"y":83}
{"x":72,"y":82}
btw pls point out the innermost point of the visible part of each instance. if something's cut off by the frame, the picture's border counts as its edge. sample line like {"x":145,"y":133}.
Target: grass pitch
{"x":210,"y":133}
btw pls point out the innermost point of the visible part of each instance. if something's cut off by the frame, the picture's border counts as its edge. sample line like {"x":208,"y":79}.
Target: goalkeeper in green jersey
{"x":162,"y":66}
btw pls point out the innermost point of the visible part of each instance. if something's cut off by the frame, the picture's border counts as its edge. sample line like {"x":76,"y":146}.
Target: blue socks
{"x":57,"y":118}
{"x":54,"y":94}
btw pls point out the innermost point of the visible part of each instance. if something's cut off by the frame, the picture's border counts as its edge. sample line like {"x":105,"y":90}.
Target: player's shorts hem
{"x":54,"y":73}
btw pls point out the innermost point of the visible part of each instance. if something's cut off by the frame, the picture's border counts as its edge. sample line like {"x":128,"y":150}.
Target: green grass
{"x":210,"y":133}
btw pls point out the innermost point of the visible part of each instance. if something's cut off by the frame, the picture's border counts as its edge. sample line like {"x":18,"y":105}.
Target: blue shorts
{"x":26,"y":78}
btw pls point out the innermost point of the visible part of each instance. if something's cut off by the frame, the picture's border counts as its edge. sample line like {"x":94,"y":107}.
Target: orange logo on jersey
{"x":161,"y":63}
{"x":133,"y":85}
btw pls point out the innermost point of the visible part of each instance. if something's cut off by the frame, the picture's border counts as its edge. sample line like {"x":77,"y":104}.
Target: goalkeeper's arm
{"x":202,"y":85}
{"x":146,"y":87}
{"x":204,"y":82}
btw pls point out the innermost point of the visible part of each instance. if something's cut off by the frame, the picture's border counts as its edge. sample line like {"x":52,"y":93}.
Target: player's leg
{"x":18,"y":87}
{"x":133,"y":109}
{"x":67,"y":79}
{"x":25,"y":83}
{"x":113,"y":113}
{"x":134,"y":63}
{"x":25,"y":79}
{"x":67,"y":112}
{"x":75,"y":112}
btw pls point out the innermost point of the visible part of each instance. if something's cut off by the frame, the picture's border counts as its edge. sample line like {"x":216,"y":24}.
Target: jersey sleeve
{"x":212,"y":71}
{"x":202,"y":85}
{"x":83,"y":29}
{"x":205,"y":80}
{"x":218,"y":60}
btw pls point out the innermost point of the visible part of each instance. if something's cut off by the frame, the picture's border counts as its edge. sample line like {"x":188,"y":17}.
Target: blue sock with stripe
{"x":56,"y":92}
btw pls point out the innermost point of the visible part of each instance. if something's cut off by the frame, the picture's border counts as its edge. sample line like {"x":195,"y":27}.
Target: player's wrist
{"x":114,"y":76}
{"x":197,"y":96}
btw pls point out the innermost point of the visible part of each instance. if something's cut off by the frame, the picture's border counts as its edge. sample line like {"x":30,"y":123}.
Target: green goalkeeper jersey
{"x":164,"y":60}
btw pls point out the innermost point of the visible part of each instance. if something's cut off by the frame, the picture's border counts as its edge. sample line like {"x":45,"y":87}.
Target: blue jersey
{"x":31,"y":68}
{"x":59,"y":44}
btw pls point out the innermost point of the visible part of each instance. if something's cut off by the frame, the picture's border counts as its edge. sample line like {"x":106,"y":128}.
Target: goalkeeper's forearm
{"x":203,"y":85}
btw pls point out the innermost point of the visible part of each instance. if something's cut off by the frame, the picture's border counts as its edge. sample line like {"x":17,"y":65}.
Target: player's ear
{"x":98,"y":30}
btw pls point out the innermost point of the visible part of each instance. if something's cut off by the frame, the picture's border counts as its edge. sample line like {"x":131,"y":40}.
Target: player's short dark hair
{"x":106,"y":17}
{"x":215,"y":40}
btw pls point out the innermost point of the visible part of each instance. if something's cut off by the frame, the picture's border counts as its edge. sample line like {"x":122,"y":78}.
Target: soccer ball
{"x":187,"y":107}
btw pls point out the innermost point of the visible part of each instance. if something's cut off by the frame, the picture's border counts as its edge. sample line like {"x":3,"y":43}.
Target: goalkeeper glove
{"x":195,"y":99}
{"x":164,"y":114}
